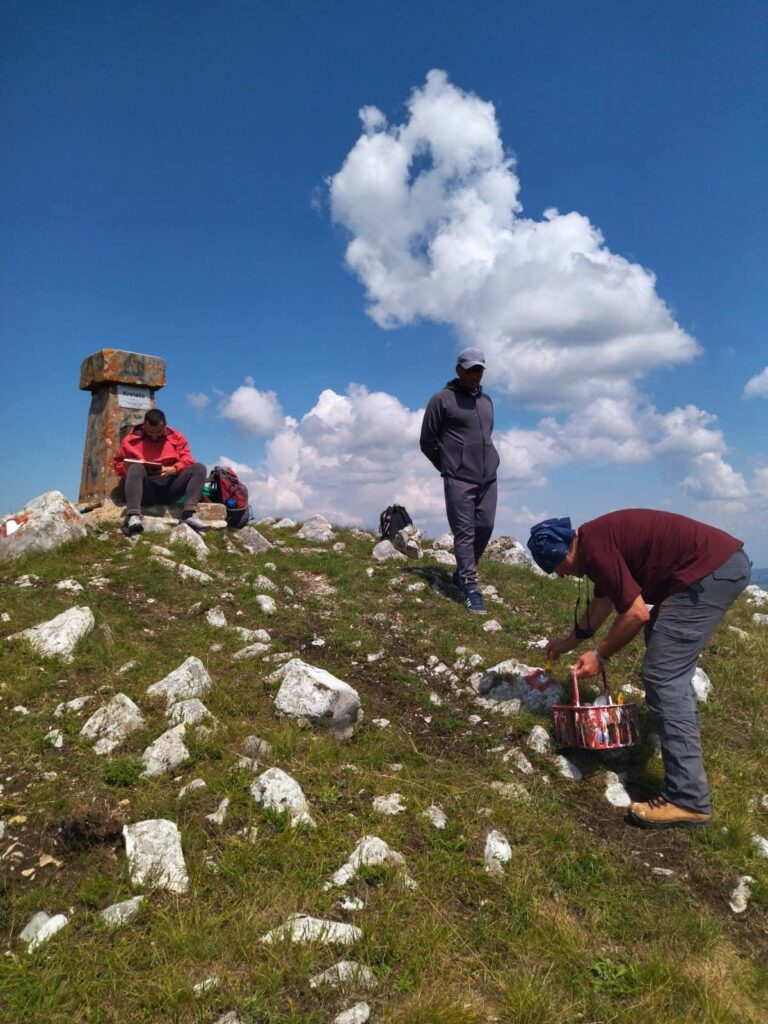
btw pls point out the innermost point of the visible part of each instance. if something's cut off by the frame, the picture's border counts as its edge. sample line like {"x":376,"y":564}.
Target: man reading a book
{"x":157,"y":467}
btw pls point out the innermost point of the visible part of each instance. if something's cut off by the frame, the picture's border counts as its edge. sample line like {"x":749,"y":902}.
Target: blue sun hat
{"x":549,"y":542}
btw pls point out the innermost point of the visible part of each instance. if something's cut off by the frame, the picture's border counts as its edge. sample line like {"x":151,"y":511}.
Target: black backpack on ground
{"x":392,"y":520}
{"x":225,"y":487}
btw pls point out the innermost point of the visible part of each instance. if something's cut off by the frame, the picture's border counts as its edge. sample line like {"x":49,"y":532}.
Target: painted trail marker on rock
{"x":123,"y":386}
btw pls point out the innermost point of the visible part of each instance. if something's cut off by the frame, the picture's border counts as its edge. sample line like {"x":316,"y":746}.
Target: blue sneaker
{"x":473,"y":599}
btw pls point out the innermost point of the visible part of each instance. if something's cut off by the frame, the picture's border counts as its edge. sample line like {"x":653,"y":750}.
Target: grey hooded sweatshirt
{"x":456,"y":434}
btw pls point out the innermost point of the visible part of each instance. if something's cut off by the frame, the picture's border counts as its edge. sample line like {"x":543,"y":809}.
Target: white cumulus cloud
{"x":757,"y":386}
{"x":432,"y":206}
{"x":256,"y":413}
{"x":198,"y":400}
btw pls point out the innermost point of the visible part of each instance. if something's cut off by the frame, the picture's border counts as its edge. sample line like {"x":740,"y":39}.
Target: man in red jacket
{"x":157,"y":465}
{"x":691,"y":574}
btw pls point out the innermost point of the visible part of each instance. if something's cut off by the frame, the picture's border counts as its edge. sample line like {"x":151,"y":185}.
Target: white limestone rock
{"x":70,"y":586}
{"x":357,"y":1014}
{"x":219,"y":815}
{"x":369,"y":851}
{"x":761,"y":843}
{"x":56,"y":738}
{"x":497,"y":853}
{"x":511,"y":790}
{"x":739,"y":900}
{"x":492,"y":626}
{"x":215,"y":617}
{"x":385,"y":550}
{"x":191,"y":787}
{"x":251,"y":636}
{"x":760,"y":620}
{"x":194,"y":575}
{"x":756,"y":595}
{"x":264,"y":585}
{"x":46,"y":930}
{"x":345,"y":974}
{"x":278,"y":791}
{"x":536,"y":690}
{"x":443,"y":543}
{"x":267,"y":604}
{"x":539,"y":740}
{"x":33,"y":926}
{"x":389,"y":805}
{"x":742,"y":634}
{"x":72,"y":706}
{"x":567,"y":768}
{"x":516,"y":757}
{"x":283,"y":524}
{"x":166,"y":753}
{"x":702,"y":685}
{"x":254,"y":746}
{"x":121,"y":913}
{"x":188,"y":712}
{"x":509,"y":551}
{"x":155,"y":858}
{"x":300,"y":928}
{"x":28,"y":580}
{"x":58,"y":637}
{"x":408,"y":542}
{"x":253,"y":542}
{"x":112,"y":724}
{"x":317,"y":529}
{"x":615,"y":793}
{"x":251,"y":651}
{"x":184,"y":534}
{"x":312,"y":694}
{"x":188,"y":680}
{"x":436,"y":816}
{"x":44,"y":524}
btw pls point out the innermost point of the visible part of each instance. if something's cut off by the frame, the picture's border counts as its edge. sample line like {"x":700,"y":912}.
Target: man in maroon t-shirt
{"x":691,"y":574}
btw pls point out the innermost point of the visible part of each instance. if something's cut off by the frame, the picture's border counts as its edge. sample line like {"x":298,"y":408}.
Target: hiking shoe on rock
{"x":659,"y":813}
{"x":474,"y":601}
{"x":134,"y":525}
{"x":196,"y":524}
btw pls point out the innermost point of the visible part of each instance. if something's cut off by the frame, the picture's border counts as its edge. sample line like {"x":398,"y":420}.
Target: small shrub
{"x":123,"y":771}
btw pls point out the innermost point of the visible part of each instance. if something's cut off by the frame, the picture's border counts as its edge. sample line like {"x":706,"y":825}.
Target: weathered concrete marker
{"x":123,"y":386}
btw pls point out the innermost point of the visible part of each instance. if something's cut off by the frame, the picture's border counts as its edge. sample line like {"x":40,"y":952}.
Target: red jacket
{"x":170,"y":450}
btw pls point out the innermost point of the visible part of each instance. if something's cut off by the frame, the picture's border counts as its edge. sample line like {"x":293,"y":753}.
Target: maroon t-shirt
{"x":655,"y":554}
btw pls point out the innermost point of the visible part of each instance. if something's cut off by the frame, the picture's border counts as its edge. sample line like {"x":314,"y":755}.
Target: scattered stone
{"x":58,"y":637}
{"x":195,"y":575}
{"x":41,"y":928}
{"x":442,"y":557}
{"x":339,"y":546}
{"x":761,"y":843}
{"x":492,"y":626}
{"x":539,"y":740}
{"x":740,"y":896}
{"x":190,"y":787}
{"x":251,"y":651}
{"x":5,"y":617}
{"x":702,"y":685}
{"x":166,"y":753}
{"x":189,"y":680}
{"x":263,"y":584}
{"x":26,"y":581}
{"x":155,"y":858}
{"x":567,"y":768}
{"x":408,"y":542}
{"x":218,"y":816}
{"x":377,"y":656}
{"x":436,"y":815}
{"x":266,"y":603}
{"x":519,"y":760}
{"x":509,"y":551}
{"x":112,"y":724}
{"x":127,"y":667}
{"x":55,"y":737}
{"x":160,"y":551}
{"x":380,"y":723}
{"x":615,"y":793}
{"x":390,"y":805}
{"x":252,"y":540}
{"x":346,"y":973}
{"x":188,"y":712}
{"x":21,"y":710}
{"x":351,"y":904}
{"x":253,"y":746}
{"x":742,"y":634}
{"x":71,"y":586}
{"x":71,"y":705}
{"x":756,"y":595}
{"x":416,"y":587}
{"x":183,"y":534}
{"x":44,"y":524}
{"x":385,"y":550}
{"x":317,"y":529}
{"x":207,"y":985}
{"x":369,"y":851}
{"x":536,"y":689}
{"x":121,"y":913}
{"x":311,"y":694}
{"x":277,"y":791}
{"x":252,"y":635}
{"x":497,"y":853}
{"x":302,"y":929}
{"x":436,"y":699}
{"x":283,"y":524}
{"x":511,"y":790}
{"x":760,"y":620}
{"x":215,"y":617}
{"x":443,"y":543}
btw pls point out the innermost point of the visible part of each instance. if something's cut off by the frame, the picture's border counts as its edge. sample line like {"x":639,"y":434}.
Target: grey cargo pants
{"x":678,"y":630}
{"x":471,"y":511}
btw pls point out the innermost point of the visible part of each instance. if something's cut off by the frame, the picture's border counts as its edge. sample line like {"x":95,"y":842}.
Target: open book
{"x":151,"y":467}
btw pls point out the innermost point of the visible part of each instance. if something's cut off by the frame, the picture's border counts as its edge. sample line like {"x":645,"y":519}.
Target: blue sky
{"x":194,"y":181}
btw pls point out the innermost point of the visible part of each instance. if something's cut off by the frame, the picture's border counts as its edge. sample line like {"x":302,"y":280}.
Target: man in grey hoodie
{"x":456,"y":438}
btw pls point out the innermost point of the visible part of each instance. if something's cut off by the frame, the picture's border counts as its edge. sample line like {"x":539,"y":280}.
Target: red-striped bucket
{"x":605,"y":727}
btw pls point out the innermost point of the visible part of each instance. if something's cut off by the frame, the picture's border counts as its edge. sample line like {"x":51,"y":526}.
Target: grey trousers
{"x":678,"y":630}
{"x":471,"y":511}
{"x":141,"y":489}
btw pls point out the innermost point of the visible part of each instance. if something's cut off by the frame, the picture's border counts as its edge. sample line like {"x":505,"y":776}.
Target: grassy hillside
{"x":582,"y":926}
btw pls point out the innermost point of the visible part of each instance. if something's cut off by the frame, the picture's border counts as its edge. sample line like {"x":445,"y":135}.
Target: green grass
{"x":579,"y":928}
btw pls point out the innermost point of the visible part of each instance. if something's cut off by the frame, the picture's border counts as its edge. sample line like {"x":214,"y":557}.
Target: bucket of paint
{"x":609,"y":726}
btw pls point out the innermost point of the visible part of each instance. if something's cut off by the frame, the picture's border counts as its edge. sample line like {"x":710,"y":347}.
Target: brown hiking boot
{"x":659,"y":813}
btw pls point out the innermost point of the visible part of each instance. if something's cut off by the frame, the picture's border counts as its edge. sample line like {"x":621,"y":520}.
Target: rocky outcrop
{"x":44,"y":524}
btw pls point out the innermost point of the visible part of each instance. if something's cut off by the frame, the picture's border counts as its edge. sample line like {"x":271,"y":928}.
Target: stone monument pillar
{"x":123,"y":386}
